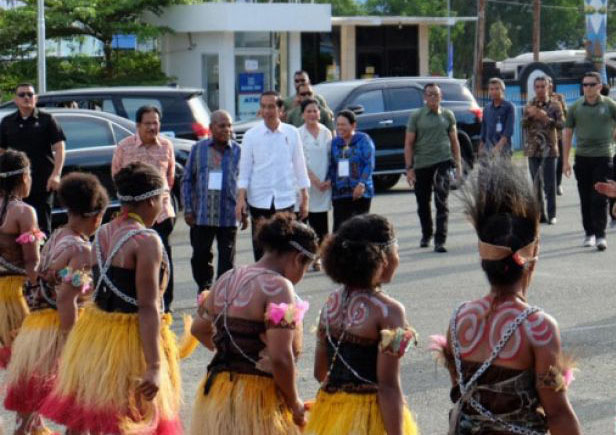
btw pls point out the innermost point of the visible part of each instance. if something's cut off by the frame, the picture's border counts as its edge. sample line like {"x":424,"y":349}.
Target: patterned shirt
{"x":359,"y":156}
{"x":161,"y":156}
{"x":212,"y":205}
{"x":541,"y":138}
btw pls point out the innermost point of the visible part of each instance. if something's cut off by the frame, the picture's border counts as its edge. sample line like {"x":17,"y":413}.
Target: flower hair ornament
{"x":522,"y":257}
{"x":143,"y":196}
{"x":15,"y":172}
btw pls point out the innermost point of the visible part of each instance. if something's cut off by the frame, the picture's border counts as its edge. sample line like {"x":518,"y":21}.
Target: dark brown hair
{"x":277,"y":233}
{"x":82,"y":193}
{"x":353,"y":255}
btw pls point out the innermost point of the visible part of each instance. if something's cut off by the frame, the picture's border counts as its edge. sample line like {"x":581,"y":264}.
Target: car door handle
{"x":386,"y":122}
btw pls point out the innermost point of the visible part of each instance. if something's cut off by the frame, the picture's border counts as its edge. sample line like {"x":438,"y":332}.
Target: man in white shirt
{"x":272,"y":168}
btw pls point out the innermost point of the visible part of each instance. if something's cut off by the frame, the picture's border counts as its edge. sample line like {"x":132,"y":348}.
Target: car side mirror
{"x":358,"y":109}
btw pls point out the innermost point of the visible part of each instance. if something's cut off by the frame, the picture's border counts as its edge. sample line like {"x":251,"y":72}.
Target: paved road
{"x":572,"y":283}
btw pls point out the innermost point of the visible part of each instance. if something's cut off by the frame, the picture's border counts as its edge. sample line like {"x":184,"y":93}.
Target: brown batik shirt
{"x":541,"y":137}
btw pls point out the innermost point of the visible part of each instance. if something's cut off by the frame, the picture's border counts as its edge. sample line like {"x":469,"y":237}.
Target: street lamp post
{"x":42,"y":70}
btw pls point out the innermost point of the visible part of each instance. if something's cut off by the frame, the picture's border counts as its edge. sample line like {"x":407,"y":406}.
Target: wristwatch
{"x":409,"y":167}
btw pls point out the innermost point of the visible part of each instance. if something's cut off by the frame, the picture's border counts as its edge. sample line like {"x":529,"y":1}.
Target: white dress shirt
{"x":272,"y":166}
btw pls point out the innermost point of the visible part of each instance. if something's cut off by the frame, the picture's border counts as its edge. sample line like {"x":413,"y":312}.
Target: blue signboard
{"x":251,"y":83}
{"x":250,"y":88}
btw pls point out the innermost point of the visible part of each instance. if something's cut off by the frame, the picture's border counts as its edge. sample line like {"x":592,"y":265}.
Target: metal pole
{"x":449,"y":48}
{"x":481,"y":15}
{"x":42,"y":70}
{"x":536,"y":29}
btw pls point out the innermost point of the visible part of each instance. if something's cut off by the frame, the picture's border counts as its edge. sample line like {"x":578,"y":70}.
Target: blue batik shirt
{"x":360,"y":156}
{"x":210,"y":182}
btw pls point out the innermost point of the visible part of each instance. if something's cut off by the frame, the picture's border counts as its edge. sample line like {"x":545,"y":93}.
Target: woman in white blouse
{"x":316,"y":140}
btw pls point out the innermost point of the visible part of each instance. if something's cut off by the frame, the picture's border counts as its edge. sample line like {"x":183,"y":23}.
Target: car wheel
{"x":385,"y":181}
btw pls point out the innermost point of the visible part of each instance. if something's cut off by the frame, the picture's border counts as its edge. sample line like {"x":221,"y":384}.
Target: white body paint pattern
{"x":239,"y":287}
{"x":472,"y":328}
{"x":357,"y":308}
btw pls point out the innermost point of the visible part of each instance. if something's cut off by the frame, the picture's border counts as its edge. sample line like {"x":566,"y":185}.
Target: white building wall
{"x":182,"y":59}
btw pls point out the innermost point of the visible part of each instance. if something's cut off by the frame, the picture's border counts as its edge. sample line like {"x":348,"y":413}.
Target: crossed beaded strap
{"x":105,"y":265}
{"x":226,"y":304}
{"x":336,"y":346}
{"x":467,"y":389}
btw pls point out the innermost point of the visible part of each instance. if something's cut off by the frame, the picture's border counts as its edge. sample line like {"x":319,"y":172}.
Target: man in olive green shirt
{"x":592,"y":117}
{"x":296,"y":118}
{"x":301,"y":78}
{"x":430,"y":139}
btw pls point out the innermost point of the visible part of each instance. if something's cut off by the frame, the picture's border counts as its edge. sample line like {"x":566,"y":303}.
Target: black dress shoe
{"x":440,"y":248}
{"x":425,"y":242}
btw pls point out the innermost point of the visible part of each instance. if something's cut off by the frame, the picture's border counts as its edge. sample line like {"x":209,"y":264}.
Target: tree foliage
{"x":499,"y":45}
{"x":100,"y":19}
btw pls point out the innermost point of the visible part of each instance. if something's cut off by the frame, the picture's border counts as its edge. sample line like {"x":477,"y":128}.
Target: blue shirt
{"x":211,"y":206}
{"x":360,"y":155}
{"x":497,"y":122}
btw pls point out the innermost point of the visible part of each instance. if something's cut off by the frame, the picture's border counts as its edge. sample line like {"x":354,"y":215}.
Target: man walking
{"x":542,"y":118}
{"x":149,"y":146}
{"x":559,"y":98}
{"x":208,"y":191}
{"x":592,"y":118}
{"x":37,"y":134}
{"x":498,"y":121}
{"x":272,"y":167}
{"x":430,"y":141}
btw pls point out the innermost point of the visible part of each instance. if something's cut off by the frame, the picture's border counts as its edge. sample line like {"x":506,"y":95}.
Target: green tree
{"x":499,"y":45}
{"x":101,"y":19}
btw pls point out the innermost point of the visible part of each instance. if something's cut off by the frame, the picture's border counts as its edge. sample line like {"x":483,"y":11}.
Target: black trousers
{"x":202,"y":239}
{"x":559,"y":164}
{"x":588,"y":171}
{"x":543,"y":173}
{"x":433,"y":178}
{"x":318,"y":222}
{"x":346,"y":208}
{"x":612,"y":200}
{"x":42,"y":203}
{"x":256,"y":214}
{"x":164,"y":230}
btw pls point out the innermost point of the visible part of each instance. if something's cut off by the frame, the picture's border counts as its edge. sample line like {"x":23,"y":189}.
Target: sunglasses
{"x":306,"y":94}
{"x":589,"y":84}
{"x":25,"y":94}
{"x":300,"y":80}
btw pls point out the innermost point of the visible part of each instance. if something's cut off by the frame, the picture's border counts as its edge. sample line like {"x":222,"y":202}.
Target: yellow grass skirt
{"x":34,"y":361}
{"x":241,"y":404}
{"x":13,"y":311}
{"x":351,"y":414}
{"x":101,"y":367}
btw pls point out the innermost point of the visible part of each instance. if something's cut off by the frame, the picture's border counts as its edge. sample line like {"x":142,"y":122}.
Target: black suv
{"x":383,"y":107}
{"x":185,"y":114}
{"x":91,"y":137}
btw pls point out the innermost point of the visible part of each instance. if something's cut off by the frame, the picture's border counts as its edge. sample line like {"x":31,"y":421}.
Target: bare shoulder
{"x":393,"y":311}
{"x":542,"y":329}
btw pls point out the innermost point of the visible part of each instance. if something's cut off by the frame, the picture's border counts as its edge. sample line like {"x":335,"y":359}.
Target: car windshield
{"x":334,"y":93}
{"x":455,"y":92}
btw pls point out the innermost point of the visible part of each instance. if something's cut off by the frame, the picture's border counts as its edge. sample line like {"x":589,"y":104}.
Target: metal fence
{"x":571,"y":92}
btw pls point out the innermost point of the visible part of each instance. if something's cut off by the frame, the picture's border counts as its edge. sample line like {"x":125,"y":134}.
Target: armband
{"x":76,"y":278}
{"x":285,"y":315}
{"x":396,"y":341}
{"x":33,"y":236}
{"x":554,"y":379}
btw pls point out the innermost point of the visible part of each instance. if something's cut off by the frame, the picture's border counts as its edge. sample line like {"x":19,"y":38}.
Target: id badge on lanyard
{"x":214,"y":181}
